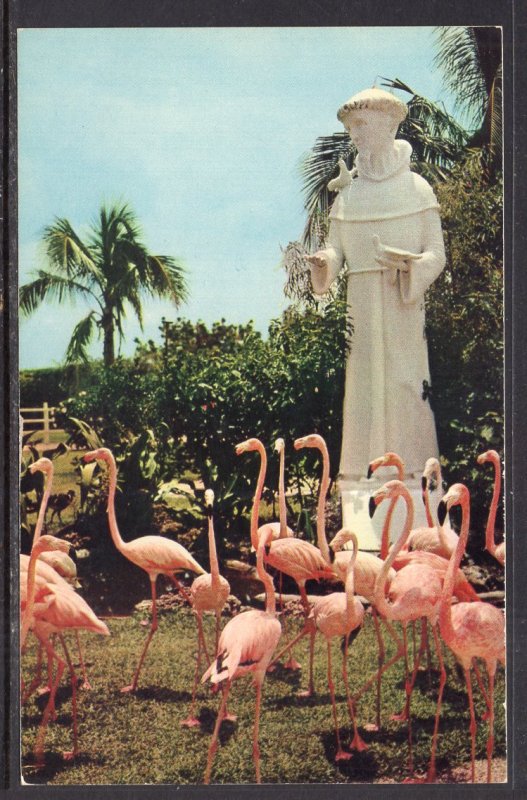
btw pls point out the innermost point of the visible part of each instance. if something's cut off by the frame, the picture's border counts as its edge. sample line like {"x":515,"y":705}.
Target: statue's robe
{"x":386,"y":407}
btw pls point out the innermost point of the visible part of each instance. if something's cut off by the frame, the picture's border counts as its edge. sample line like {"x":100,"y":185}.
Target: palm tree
{"x":471,"y":62}
{"x":110,"y":269}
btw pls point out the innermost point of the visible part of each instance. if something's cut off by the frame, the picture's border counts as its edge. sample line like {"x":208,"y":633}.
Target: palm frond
{"x":49,"y":286}
{"x":317,"y":168}
{"x":67,"y":253}
{"x":80,"y":339}
{"x":167,"y":278}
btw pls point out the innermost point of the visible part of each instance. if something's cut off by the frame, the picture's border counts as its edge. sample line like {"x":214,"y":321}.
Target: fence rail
{"x":43,"y":422}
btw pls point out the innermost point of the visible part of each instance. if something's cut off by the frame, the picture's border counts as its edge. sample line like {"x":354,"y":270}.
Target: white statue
{"x":385,"y":225}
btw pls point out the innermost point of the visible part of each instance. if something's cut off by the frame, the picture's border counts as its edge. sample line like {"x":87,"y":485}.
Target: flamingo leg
{"x":256,"y":746}
{"x":153,"y":628}
{"x":357,"y":743}
{"x":218,"y":613}
{"x":37,"y":680}
{"x":482,"y":688}
{"x":341,"y":755}
{"x":201,"y":636}
{"x":68,"y":755}
{"x":214,"y":741}
{"x":398,"y":655}
{"x":380,"y":661}
{"x":402,"y":716}
{"x":490,"y":740}
{"x":431,"y":776}
{"x":50,"y":707}
{"x":309,"y":692}
{"x":472,"y":727}
{"x":86,"y":683}
{"x":191,"y":720}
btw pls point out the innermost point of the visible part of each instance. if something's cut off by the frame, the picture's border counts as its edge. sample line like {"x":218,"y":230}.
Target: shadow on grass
{"x":360,"y":767}
{"x":207,"y":718}
{"x":317,"y":699}
{"x":160,"y":693}
{"x":55,"y":764}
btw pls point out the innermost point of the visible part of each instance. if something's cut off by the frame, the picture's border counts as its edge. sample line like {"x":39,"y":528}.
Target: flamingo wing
{"x":157,"y":554}
{"x":299,"y":559}
{"x":247,"y":641}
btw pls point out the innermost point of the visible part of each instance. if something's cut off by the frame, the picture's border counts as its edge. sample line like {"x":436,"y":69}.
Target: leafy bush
{"x":465,"y":331}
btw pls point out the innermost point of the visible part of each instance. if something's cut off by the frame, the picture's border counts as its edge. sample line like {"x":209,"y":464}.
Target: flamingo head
{"x":431,"y":475}
{"x":101,"y":454}
{"x":248,"y":445}
{"x":48,"y":543}
{"x":458,"y":494}
{"x":279,"y":445}
{"x":209,"y":501}
{"x":42,"y":465}
{"x":63,"y":564}
{"x":388,"y":491}
{"x":489,"y":455}
{"x":312,"y":440}
{"x":387,"y":460}
{"x":341,"y":539}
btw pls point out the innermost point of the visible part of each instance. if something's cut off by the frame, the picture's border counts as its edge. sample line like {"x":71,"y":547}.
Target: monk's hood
{"x":390,"y":190}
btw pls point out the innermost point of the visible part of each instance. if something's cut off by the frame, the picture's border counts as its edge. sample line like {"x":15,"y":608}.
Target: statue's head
{"x":371,"y":118}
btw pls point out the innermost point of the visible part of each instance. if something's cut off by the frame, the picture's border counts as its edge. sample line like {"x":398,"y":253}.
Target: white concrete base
{"x":355,"y":498}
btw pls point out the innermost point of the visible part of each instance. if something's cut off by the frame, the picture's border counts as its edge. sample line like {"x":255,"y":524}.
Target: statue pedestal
{"x":355,"y":498}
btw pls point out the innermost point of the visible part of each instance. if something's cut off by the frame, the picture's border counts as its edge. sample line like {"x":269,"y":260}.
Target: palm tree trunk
{"x":108,"y":342}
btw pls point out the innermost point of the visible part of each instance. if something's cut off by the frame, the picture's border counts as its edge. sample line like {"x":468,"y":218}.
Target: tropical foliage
{"x":110,"y":270}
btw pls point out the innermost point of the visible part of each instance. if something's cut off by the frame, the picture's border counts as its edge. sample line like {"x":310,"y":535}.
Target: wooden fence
{"x":39,"y":423}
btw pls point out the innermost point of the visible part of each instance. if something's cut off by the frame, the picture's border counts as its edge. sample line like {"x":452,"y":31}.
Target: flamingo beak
{"x":441,"y":512}
{"x":370,"y":472}
{"x":423,"y":484}
{"x":372,"y":506}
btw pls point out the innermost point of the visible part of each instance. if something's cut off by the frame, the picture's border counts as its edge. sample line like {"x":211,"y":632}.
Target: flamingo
{"x":438,"y":539}
{"x":49,"y":609}
{"x":246,"y":645}
{"x":498,"y":551}
{"x":414,"y":593}
{"x":389,"y":459}
{"x":59,"y":561}
{"x":297,"y":558}
{"x":341,"y":614}
{"x":208,"y":592}
{"x":155,"y":554}
{"x":471,"y":630}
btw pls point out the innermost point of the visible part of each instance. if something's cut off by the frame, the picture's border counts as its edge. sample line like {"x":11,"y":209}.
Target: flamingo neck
{"x":321,"y":506}
{"x":445,"y":610}
{"x":281,"y":496}
{"x":426,"y":498}
{"x":258,"y":495}
{"x":270,"y":597}
{"x":112,"y":519}
{"x":349,"y":586}
{"x":490,"y":543}
{"x":213,"y":555}
{"x":381,"y":602}
{"x":385,"y":537}
{"x":43,"y":506}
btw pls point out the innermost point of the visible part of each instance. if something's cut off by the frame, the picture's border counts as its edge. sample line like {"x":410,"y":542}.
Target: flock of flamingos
{"x":416,"y":579}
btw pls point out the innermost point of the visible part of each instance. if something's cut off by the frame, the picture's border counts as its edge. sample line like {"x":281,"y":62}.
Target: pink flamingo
{"x":61,"y":564}
{"x":297,"y":558}
{"x":49,"y":609}
{"x":155,"y":554}
{"x":438,"y":539}
{"x":414,"y":593}
{"x":389,"y":459}
{"x":246,"y":645}
{"x":471,"y":630}
{"x":279,"y":530}
{"x":208,"y":592}
{"x":341,"y":614}
{"x":498,"y":551}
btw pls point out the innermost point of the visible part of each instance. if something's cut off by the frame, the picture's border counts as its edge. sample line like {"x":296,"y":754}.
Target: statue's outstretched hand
{"x":393,"y":257}
{"x":317,"y":259}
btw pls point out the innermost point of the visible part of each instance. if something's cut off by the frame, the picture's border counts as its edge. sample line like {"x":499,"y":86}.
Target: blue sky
{"x":201,"y":131}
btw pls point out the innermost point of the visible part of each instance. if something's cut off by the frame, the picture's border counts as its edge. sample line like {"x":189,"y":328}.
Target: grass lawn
{"x":137,"y":739}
